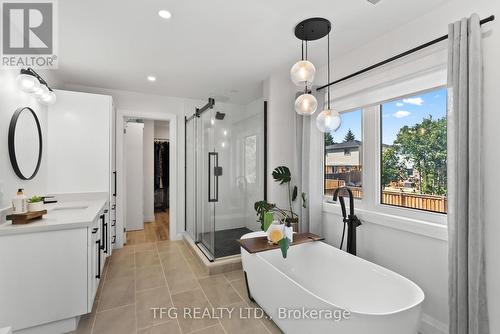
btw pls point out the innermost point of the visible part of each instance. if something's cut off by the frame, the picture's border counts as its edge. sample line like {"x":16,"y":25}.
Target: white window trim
{"x":369,"y":208}
{"x":402,"y":223}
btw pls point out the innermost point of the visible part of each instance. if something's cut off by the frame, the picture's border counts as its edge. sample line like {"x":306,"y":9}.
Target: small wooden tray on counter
{"x":25,"y":218}
{"x":261,"y":244}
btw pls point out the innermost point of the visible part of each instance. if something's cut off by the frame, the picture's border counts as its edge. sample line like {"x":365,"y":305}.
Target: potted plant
{"x":35,"y":204}
{"x":287,"y":216}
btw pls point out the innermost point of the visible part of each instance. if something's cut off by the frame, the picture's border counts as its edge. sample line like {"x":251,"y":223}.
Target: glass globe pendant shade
{"x":38,"y":91}
{"x":41,"y":91}
{"x":302,"y":73}
{"x":306,"y":104}
{"x":48,"y":98}
{"x":328,"y":120}
{"x":27,"y":83}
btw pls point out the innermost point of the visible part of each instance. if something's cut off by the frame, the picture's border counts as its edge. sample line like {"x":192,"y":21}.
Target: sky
{"x":350,"y":120}
{"x":396,"y":114}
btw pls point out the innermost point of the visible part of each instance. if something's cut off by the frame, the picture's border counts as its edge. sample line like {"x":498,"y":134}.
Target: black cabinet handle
{"x":94,"y":231}
{"x":106,"y":238}
{"x":98,"y":242}
{"x":102,"y":231}
{"x":106,"y":211}
{"x":114,"y":193}
{"x":114,"y":240}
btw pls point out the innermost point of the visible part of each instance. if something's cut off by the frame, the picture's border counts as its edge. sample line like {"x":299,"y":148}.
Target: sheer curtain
{"x":309,"y":146}
{"x":467,"y":282}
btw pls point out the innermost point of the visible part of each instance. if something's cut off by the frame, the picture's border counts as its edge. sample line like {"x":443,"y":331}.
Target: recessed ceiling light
{"x":165,"y":14}
{"x":151,"y":78}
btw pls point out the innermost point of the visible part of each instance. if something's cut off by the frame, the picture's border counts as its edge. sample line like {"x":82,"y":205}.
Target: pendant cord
{"x":328,"y":70}
{"x":306,"y":50}
{"x":302,"y":49}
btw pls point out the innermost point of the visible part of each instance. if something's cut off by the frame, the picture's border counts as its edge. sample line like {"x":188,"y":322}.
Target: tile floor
{"x":148,"y":273}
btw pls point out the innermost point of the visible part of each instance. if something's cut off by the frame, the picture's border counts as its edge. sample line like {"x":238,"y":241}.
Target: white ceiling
{"x":208,"y":47}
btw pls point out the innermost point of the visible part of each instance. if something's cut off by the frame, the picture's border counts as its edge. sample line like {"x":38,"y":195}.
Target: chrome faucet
{"x":350,"y":220}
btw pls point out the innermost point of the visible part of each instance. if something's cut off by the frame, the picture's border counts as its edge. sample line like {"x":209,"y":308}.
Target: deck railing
{"x":433,"y":203}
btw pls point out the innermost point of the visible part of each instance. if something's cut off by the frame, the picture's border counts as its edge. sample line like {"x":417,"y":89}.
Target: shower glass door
{"x":206,"y":181}
{"x":224,"y":176}
{"x":239,"y":143}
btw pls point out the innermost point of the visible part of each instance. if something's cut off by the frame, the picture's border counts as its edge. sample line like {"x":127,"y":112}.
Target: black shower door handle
{"x":212,"y":172}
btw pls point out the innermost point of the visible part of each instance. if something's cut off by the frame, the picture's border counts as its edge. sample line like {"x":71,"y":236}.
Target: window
{"x":413,"y":152}
{"x":251,"y":158}
{"x":344,"y":156}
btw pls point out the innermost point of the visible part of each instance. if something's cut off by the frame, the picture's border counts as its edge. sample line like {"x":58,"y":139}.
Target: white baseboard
{"x":61,"y":326}
{"x":430,"y":325}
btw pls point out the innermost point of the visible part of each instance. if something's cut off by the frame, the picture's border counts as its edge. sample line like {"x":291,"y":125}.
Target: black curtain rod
{"x":401,"y":55}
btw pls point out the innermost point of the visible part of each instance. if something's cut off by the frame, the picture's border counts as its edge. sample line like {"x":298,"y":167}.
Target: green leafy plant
{"x":261,"y":207}
{"x":35,"y":199}
{"x":282,"y":175}
{"x":284,"y":245}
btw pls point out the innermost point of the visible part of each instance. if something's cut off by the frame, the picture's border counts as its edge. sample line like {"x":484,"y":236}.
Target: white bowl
{"x":34,"y":207}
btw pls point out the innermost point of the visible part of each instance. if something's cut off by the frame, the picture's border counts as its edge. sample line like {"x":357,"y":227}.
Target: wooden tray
{"x":261,"y":244}
{"x":25,"y":218}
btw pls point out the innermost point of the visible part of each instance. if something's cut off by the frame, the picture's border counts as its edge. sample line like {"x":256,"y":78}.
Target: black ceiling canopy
{"x":313,"y":29}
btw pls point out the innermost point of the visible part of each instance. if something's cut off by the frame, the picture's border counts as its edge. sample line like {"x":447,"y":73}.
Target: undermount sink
{"x":65,"y":208}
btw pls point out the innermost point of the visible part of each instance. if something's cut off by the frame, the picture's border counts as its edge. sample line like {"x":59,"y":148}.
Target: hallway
{"x":153,"y":231}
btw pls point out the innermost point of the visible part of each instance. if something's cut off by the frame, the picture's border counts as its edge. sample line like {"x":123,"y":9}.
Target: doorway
{"x":147,"y":174}
{"x":161,"y":201}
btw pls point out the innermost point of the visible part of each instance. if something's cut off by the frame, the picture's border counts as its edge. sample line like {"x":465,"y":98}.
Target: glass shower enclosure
{"x":224,"y":174}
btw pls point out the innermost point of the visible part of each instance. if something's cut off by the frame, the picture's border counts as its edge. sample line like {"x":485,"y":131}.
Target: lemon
{"x":275,"y":236}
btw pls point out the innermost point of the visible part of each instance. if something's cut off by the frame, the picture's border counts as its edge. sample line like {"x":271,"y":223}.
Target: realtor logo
{"x":28,"y":34}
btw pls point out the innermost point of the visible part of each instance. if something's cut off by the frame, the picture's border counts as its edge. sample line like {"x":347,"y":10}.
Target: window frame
{"x":325,"y":197}
{"x":245,"y":157}
{"x":371,"y":203}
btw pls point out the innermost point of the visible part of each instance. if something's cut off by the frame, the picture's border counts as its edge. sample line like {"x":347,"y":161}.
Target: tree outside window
{"x":414,"y":152}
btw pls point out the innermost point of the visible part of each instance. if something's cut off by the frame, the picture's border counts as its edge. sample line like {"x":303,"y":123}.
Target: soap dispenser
{"x":20,"y":203}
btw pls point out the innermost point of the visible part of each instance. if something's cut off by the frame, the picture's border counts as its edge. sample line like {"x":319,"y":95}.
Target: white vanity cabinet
{"x":50,"y":271}
{"x":43,"y":278}
{"x":95,"y":260}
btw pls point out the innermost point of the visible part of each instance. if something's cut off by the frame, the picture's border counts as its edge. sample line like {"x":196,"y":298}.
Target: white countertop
{"x":60,"y":216}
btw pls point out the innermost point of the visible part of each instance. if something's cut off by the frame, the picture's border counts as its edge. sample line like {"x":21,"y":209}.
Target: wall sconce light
{"x":30,"y":82}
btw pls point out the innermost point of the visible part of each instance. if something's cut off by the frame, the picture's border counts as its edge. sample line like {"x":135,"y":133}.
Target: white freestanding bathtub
{"x":321,"y":289}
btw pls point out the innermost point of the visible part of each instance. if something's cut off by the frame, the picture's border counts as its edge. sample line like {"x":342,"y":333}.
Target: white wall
{"x":162,"y":130}
{"x":11,"y":98}
{"x":280,"y":92}
{"x":149,"y":167}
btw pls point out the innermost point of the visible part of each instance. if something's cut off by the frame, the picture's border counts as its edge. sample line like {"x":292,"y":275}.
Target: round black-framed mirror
{"x":23,"y":125}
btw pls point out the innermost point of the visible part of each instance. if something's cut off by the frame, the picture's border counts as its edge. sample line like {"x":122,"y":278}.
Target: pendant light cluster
{"x":30,"y":82}
{"x":303,"y":73}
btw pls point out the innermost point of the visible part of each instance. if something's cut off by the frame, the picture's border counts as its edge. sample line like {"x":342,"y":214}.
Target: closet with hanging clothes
{"x":161,"y":173}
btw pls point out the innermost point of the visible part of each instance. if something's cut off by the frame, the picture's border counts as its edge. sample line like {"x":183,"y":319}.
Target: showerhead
{"x":219,"y":115}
